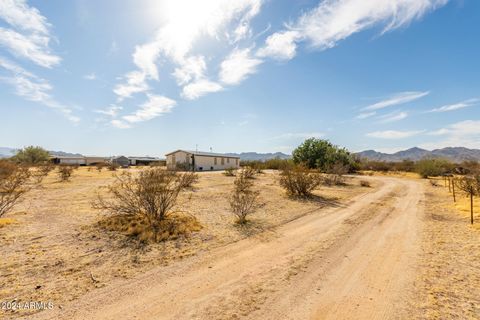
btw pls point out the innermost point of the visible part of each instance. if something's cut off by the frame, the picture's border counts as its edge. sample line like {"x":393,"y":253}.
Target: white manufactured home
{"x":200,"y":161}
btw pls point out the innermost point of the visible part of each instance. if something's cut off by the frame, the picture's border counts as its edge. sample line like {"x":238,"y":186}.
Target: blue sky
{"x":146,"y":77}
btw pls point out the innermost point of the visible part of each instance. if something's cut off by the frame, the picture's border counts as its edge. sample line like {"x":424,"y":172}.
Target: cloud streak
{"x":457,"y":106}
{"x":332,"y":21}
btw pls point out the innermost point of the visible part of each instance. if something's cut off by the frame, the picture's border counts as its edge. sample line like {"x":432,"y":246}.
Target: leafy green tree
{"x":31,"y":155}
{"x":323,"y":155}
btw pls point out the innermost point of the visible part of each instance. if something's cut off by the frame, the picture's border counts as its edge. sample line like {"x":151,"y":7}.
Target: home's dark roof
{"x":203,"y":153}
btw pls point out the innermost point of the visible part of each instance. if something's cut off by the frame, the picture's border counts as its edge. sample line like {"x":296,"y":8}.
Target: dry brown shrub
{"x":65,"y":172}
{"x":188,"y":179}
{"x":151,"y":195}
{"x":249,"y":172}
{"x":230,"y":172}
{"x":243,"y":199}
{"x":300,"y":181}
{"x":14,"y":181}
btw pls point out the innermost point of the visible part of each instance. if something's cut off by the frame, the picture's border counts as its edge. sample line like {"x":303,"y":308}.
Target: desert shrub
{"x":300,"y":181}
{"x":243,"y":200}
{"x":65,"y":172}
{"x":433,"y":167}
{"x":321,"y":154}
{"x":278,"y":164}
{"x":230,"y":172}
{"x":185,"y":166}
{"x":188,"y":179}
{"x":152,"y":195}
{"x":249,"y":172}
{"x":365,"y":183}
{"x":42,"y":171}
{"x":31,"y":156}
{"x":14,"y":181}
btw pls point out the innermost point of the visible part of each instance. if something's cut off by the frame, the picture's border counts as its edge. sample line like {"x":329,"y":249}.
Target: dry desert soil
{"x":399,"y":249}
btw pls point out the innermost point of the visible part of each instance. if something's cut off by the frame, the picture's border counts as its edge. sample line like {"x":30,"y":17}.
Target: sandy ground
{"x":448,"y":281}
{"x":350,"y":261}
{"x":52,"y":248}
{"x":398,"y":250}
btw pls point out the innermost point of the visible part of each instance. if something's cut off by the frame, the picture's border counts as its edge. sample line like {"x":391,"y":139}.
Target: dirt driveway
{"x":351,"y":262}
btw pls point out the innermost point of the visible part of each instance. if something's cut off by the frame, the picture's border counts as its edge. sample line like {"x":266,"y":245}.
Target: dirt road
{"x":350,"y":262}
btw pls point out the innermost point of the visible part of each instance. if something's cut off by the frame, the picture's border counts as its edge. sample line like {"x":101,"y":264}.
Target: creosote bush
{"x":65,"y":172}
{"x":151,"y":196}
{"x":31,"y":156}
{"x":249,"y":172}
{"x":14,"y":181}
{"x":188,"y":179}
{"x":243,"y":199}
{"x":300,"y":181}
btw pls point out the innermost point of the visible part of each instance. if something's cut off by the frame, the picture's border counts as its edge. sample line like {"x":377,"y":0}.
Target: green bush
{"x":31,"y":156}
{"x":433,"y":167}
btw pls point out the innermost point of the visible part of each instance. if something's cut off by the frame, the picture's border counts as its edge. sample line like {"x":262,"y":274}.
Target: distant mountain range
{"x":8,"y":152}
{"x":455,"y":154}
{"x":250,"y":156}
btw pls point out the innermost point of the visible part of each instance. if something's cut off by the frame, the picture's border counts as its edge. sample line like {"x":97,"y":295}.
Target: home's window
{"x":236,"y":162}
{"x":228,"y":160}
{"x":215,"y":161}
{"x":211,"y":168}
{"x":223,"y":161}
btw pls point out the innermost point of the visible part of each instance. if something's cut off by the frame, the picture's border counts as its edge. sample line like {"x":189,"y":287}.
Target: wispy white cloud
{"x":365,"y":115}
{"x":397,"y":99}
{"x":32,"y":88}
{"x":335,"y":20}
{"x":393,"y":134}
{"x":280,"y":46}
{"x":456,"y":106}
{"x":393,"y":117}
{"x":237,"y":66}
{"x":28,"y":36}
{"x":199,"y":88}
{"x":465,"y":134}
{"x":111,"y":111}
{"x":154,"y":107}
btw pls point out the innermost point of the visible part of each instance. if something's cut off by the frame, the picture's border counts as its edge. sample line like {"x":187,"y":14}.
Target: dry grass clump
{"x":176,"y":225}
{"x":365,"y":183}
{"x":300,"y":181}
{"x":150,"y":195}
{"x":14,"y":181}
{"x":6,"y":221}
{"x":243,"y":200}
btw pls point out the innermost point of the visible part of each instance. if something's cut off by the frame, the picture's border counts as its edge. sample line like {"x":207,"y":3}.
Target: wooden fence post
{"x":471,"y":208}
{"x":453,"y":188}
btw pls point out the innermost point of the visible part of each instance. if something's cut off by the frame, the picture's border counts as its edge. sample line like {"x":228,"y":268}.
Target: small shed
{"x":145,"y":161}
{"x":122,"y":161}
{"x":200,"y":161}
